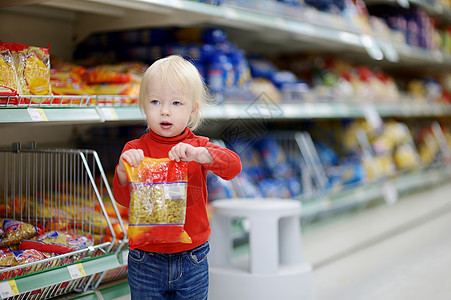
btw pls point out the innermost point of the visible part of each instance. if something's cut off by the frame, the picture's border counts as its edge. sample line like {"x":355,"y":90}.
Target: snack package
{"x":85,"y":218}
{"x":32,"y":65}
{"x":15,"y":258}
{"x":16,"y":231}
{"x":158,"y":202}
{"x":8,"y":76}
{"x":57,"y":242}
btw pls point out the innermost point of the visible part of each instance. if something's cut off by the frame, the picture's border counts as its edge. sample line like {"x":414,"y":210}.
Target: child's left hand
{"x":187,"y":152}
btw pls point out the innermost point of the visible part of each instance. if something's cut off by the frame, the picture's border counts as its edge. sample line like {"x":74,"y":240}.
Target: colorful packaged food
{"x":20,"y":257}
{"x":57,"y":242}
{"x":158,"y":202}
{"x":32,"y":65}
{"x":8,"y":76}
{"x":16,"y":231}
{"x":86,"y":218}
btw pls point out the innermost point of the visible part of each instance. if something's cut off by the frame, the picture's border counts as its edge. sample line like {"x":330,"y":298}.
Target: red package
{"x":57,"y":242}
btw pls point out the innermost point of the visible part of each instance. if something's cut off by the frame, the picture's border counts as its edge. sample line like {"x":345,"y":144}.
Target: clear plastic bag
{"x":158,"y":202}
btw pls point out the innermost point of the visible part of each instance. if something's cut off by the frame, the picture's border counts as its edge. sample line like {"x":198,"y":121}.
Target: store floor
{"x":394,"y":252}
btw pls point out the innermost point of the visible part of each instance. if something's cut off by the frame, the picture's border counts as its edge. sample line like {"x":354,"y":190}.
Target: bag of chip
{"x":57,"y":242}
{"x":158,"y":202}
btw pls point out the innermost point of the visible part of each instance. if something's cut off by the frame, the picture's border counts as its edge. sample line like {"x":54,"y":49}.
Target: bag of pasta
{"x":158,"y":202}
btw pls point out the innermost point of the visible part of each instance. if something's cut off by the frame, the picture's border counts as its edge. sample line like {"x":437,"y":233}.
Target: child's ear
{"x":194,"y":110}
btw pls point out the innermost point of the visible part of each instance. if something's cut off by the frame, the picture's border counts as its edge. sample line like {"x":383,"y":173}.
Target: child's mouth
{"x":165,"y":125}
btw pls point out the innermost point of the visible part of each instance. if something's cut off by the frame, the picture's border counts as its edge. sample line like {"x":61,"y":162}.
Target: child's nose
{"x":165,"y":111}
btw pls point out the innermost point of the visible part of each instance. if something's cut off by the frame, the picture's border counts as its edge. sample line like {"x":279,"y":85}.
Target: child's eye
{"x":176,"y":103}
{"x":154,"y":102}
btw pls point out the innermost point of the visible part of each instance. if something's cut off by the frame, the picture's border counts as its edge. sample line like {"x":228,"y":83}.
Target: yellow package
{"x":32,"y":65}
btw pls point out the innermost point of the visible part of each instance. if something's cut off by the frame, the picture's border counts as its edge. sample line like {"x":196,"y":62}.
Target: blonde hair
{"x":177,"y":71}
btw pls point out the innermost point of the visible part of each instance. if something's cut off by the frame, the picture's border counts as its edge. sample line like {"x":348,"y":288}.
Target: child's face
{"x":167,"y":108}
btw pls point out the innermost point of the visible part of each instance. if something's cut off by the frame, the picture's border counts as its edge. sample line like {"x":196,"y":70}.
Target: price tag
{"x":372,"y":116}
{"x":109,"y":114}
{"x":230,"y":13}
{"x":174,"y":3}
{"x":389,"y":193}
{"x":8,"y":289}
{"x":76,"y":271}
{"x":371,"y":47}
{"x":125,"y":257}
{"x":281,"y":23}
{"x":403,"y":3}
{"x":390,"y":52}
{"x":37,"y":114}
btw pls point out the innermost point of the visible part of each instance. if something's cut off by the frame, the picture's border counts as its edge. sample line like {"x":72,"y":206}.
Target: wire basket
{"x":61,"y":190}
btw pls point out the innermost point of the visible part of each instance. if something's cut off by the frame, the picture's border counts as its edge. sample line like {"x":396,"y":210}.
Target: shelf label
{"x":8,"y":289}
{"x":76,"y":271}
{"x":109,"y":113}
{"x":390,"y":52}
{"x":371,"y":47}
{"x":403,"y":3}
{"x":389,"y":193}
{"x":125,"y":257}
{"x":281,"y":23}
{"x":37,"y":114}
{"x":372,"y":116}
{"x":230,"y":13}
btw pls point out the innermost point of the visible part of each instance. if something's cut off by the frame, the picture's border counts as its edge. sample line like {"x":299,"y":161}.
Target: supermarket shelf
{"x":99,"y":15}
{"x":35,"y":281}
{"x":252,"y":110}
{"x":39,"y":114}
{"x":433,"y":8}
{"x":387,"y":190}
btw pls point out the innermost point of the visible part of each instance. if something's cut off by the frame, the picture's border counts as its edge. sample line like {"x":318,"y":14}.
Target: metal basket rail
{"x":62,"y":190}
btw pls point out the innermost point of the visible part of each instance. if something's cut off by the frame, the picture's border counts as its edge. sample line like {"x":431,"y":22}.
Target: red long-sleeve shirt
{"x":226,"y":164}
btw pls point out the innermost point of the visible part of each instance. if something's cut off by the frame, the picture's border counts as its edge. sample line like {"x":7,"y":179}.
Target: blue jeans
{"x":156,"y":276}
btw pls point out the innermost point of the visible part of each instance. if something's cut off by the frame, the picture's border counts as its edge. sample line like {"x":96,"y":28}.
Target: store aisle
{"x":387,"y":252}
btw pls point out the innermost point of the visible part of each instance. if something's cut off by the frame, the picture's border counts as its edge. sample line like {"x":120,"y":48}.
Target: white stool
{"x":276,"y":268}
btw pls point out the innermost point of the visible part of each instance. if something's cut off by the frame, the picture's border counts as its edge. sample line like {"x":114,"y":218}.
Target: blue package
{"x":274,"y":188}
{"x":214,"y":36}
{"x":245,"y":187}
{"x":218,"y":188}
{"x":273,"y":158}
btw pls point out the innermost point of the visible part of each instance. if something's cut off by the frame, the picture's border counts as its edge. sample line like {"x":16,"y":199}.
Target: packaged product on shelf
{"x":158,"y":202}
{"x":8,"y":75}
{"x":218,"y":188}
{"x":16,"y":231}
{"x":273,"y":158}
{"x":67,"y":79}
{"x":428,"y":145}
{"x":406,"y":157}
{"x":32,"y":65}
{"x":282,"y":188}
{"x":57,"y":242}
{"x":20,"y":257}
{"x":245,"y":187}
{"x":86,"y":218}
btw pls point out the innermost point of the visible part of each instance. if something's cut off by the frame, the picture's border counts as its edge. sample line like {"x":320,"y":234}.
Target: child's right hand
{"x":133,"y":157}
